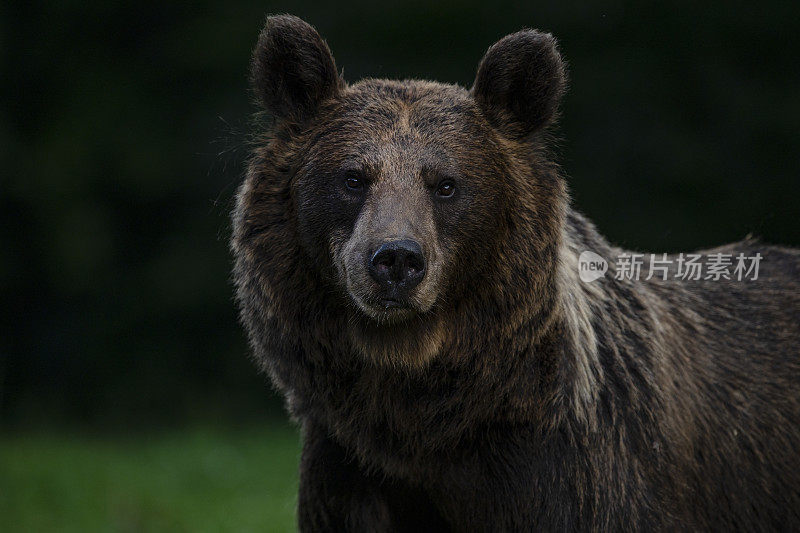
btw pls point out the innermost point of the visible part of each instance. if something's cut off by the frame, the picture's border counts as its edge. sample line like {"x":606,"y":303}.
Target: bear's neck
{"x":577,"y":309}
{"x":608,"y":336}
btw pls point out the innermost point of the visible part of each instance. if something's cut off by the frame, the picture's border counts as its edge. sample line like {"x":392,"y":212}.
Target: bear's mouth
{"x":385,"y":308}
{"x":393,"y":303}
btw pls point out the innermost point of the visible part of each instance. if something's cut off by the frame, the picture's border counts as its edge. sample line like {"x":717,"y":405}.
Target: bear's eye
{"x":445,"y":189}
{"x":354,"y":183}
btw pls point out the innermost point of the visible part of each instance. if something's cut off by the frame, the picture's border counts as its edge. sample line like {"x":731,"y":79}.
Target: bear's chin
{"x":410,"y":339}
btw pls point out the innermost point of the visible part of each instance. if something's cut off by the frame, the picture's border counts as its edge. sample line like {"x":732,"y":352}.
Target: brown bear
{"x":407,"y":269}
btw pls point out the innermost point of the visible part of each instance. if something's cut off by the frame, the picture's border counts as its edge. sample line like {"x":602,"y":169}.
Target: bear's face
{"x":398,"y":194}
{"x":399,"y":189}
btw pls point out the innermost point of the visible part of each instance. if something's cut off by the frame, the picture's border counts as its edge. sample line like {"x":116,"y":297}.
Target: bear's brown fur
{"x":501,"y":392}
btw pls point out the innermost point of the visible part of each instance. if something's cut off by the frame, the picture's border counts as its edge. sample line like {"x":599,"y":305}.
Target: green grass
{"x":198,"y":480}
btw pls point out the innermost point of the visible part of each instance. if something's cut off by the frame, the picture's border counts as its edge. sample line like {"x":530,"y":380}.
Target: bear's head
{"x":389,"y":209}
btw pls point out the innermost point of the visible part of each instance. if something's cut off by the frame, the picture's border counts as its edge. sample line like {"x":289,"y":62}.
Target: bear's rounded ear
{"x":292,"y":69}
{"x":520,"y":82}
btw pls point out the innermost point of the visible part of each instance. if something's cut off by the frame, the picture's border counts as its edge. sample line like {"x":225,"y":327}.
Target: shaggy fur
{"x":507,"y":395}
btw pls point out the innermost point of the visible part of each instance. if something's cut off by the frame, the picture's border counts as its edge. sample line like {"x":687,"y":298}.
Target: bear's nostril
{"x":415,"y":263}
{"x":399,"y":264}
{"x":383,"y":267}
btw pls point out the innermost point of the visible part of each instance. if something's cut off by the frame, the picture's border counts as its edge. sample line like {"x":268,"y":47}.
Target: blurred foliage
{"x":201,"y":480}
{"x":123,"y":131}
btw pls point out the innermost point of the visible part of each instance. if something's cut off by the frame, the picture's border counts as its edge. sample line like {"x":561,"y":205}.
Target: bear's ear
{"x":520,"y":82}
{"x":292,"y":69}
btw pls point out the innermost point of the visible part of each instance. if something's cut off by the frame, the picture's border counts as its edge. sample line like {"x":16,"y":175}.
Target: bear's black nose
{"x":398,"y":264}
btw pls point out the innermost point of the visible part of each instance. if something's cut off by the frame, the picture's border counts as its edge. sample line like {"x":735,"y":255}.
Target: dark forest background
{"x":123,"y":132}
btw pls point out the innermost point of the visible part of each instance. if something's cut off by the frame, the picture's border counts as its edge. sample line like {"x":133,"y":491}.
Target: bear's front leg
{"x":337,"y":494}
